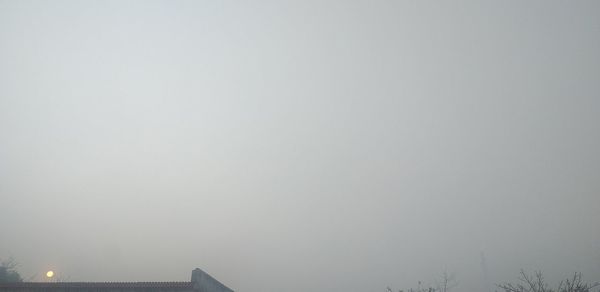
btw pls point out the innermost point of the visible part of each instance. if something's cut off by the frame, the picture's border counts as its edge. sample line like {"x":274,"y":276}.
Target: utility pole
{"x":484,"y":270}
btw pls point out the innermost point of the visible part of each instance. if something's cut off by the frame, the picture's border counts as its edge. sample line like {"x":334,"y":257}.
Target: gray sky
{"x":307,"y":146}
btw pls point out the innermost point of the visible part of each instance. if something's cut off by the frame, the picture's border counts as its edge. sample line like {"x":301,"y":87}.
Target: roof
{"x":94,"y":285}
{"x":200,"y":281}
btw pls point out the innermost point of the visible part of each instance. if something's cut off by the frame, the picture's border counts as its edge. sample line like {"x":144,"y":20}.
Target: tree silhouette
{"x":536,"y":283}
{"x":8,"y":272}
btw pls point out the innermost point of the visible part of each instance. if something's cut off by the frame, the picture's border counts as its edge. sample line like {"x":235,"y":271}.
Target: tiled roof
{"x":115,"y":285}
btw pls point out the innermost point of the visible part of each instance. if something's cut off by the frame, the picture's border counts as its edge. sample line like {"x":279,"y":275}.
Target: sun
{"x":49,"y":274}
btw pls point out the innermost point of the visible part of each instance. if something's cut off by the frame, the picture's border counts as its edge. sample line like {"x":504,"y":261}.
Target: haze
{"x":307,"y":146}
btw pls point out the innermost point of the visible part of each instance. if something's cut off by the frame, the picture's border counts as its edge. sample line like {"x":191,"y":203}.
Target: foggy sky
{"x":307,"y":146}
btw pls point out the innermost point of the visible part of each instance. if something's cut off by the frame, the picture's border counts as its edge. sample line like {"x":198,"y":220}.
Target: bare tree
{"x":575,"y":284}
{"x":536,"y":283}
{"x":447,"y":282}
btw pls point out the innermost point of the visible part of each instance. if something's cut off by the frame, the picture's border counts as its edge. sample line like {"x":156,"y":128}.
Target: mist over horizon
{"x":300,"y":146}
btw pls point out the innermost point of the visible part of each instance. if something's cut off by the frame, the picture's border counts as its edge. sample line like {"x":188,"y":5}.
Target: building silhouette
{"x":200,"y":282}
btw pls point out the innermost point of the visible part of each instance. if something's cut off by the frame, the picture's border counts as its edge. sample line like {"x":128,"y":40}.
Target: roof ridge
{"x":33,"y":282}
{"x":179,"y":284}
